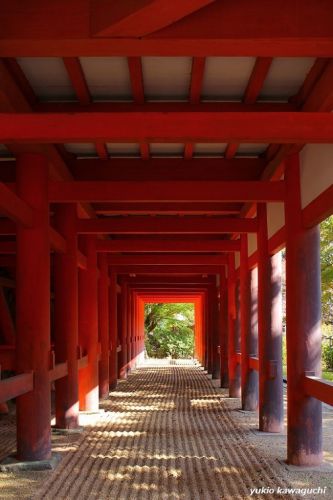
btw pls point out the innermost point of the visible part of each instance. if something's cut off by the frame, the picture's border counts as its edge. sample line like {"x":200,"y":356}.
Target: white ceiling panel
{"x":81,"y":150}
{"x":285,"y":77}
{"x":226,"y":78}
{"x":167,"y":149}
{"x":123,"y":149}
{"x":251,"y":149}
{"x":108,"y":78}
{"x":48,"y":78}
{"x":209,"y":149}
{"x":167,"y":78}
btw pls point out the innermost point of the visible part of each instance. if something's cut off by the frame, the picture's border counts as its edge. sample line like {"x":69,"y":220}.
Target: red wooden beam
{"x":59,"y":370}
{"x":170,"y":270}
{"x":83,"y":362}
{"x":228,"y":28}
{"x":167,"y":208}
{"x":169,"y":281}
{"x":269,"y":127}
{"x":319,"y":209}
{"x":321,"y":97}
{"x":153,"y":225}
{"x":198,"y":68}
{"x":167,"y":191}
{"x":102,"y":150}
{"x":257,"y":79}
{"x":79,"y":83}
{"x":164,"y":107}
{"x":135,"y":70}
{"x":77,"y":78}
{"x":168,"y":169}
{"x":15,"y":208}
{"x":252,"y":91}
{"x":13,"y":387}
{"x":57,"y":242}
{"x":137,"y":19}
{"x":319,"y":388}
{"x":15,"y":98}
{"x":136,"y":77}
{"x":167,"y":260}
{"x":165,"y":246}
{"x":21,"y":80}
{"x":310,"y":81}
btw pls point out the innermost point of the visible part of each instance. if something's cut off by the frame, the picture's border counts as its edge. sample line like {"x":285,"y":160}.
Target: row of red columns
{"x":241,"y":314}
{"x":251,"y":327}
{"x":85,"y":315}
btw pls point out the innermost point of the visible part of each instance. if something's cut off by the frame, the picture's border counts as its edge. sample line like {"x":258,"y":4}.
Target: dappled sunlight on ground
{"x":165,"y":433}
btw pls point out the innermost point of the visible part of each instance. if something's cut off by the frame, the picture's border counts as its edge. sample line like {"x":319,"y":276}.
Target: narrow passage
{"x":166,"y":433}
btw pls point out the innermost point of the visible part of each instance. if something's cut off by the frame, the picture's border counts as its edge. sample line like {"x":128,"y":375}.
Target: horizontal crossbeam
{"x":15,"y":208}
{"x":287,"y":127}
{"x":169,"y":225}
{"x":167,"y":191}
{"x":166,"y":246}
{"x":170,"y":270}
{"x":167,"y":260}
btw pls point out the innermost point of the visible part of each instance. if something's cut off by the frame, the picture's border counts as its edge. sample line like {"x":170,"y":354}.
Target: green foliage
{"x":326,"y":257}
{"x":327,"y":355}
{"x":169,"y":330}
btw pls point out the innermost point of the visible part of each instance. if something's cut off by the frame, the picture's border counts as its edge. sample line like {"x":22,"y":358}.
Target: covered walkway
{"x":166,"y":432}
{"x":159,"y":151}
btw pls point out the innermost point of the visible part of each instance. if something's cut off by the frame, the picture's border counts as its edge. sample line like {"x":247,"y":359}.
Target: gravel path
{"x":166,"y":433}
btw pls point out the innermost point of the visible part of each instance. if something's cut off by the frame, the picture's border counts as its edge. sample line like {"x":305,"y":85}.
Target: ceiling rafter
{"x":136,"y":77}
{"x":79,"y":83}
{"x":140,"y":18}
{"x":252,"y":91}
{"x":197,"y":74}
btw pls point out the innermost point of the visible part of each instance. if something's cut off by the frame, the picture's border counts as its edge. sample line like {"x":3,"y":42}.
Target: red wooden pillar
{"x":123,"y":357}
{"x":303,"y":326}
{"x":224,"y":329}
{"x":88,"y":326}
{"x":33,"y":310}
{"x":129,"y":330}
{"x":215,"y":333}
{"x":252,"y":390}
{"x":244,"y":320}
{"x":208,"y":336}
{"x":113,"y":337}
{"x":234,"y":375}
{"x":103,"y":321}
{"x":66,"y":319}
{"x":270,"y":332}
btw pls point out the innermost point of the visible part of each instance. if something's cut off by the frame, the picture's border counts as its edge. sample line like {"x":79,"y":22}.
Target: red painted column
{"x":303,"y":326}
{"x":215,"y":333}
{"x":252,"y":392}
{"x":224,"y":330}
{"x":234,"y":372}
{"x":66,"y":318}
{"x":113,"y":336}
{"x":103,"y":321}
{"x":33,"y":310}
{"x":270,"y":332}
{"x":123,"y":340}
{"x":129,"y":330}
{"x":244,"y":320}
{"x":208,"y":336}
{"x":88,"y":326}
